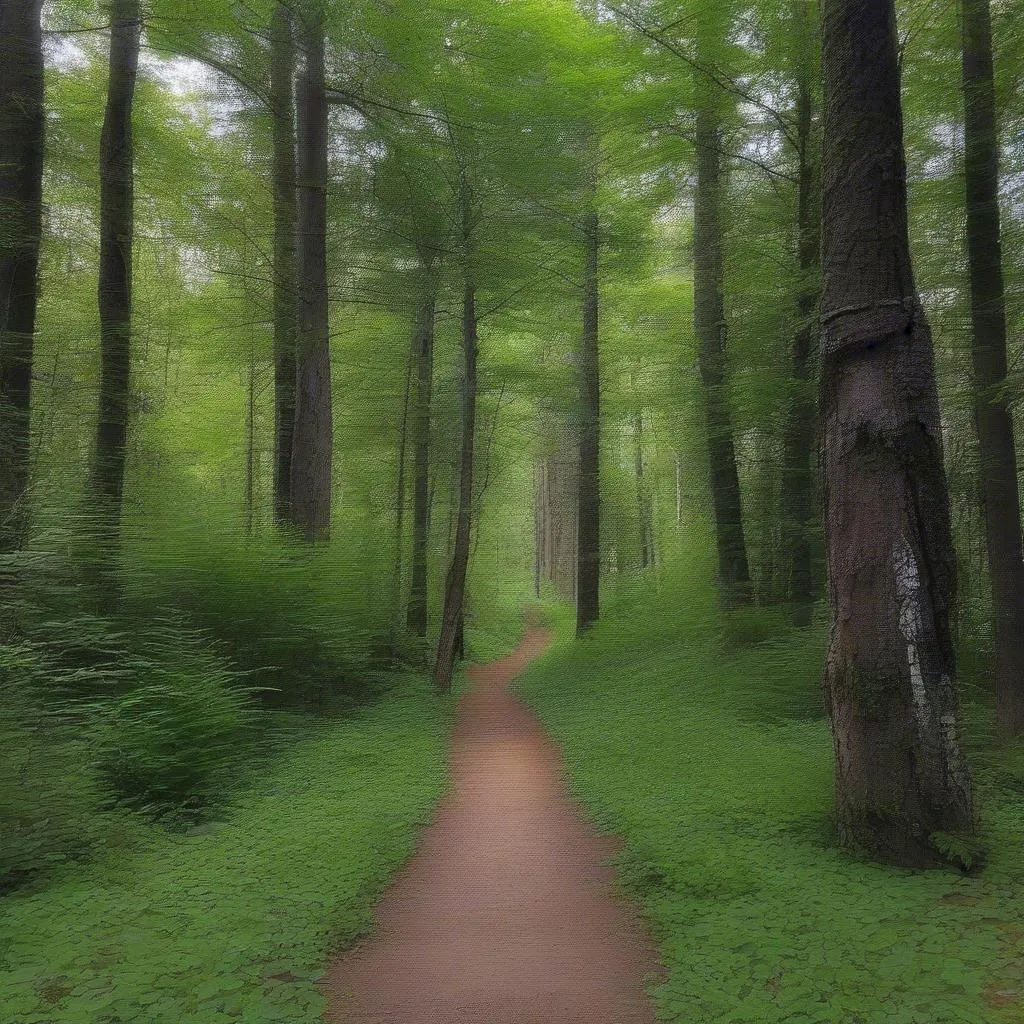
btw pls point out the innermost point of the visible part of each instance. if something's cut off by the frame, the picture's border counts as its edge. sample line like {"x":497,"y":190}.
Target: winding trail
{"x":505,"y":914}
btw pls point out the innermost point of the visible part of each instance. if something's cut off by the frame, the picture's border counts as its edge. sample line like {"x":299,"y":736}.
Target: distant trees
{"x":999,"y":471}
{"x":22,"y":133}
{"x":901,"y":781}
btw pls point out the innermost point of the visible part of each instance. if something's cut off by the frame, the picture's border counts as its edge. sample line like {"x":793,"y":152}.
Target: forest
{"x":510,"y":511}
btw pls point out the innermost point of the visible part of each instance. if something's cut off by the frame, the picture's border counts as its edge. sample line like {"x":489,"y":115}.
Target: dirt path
{"x":505,"y":914}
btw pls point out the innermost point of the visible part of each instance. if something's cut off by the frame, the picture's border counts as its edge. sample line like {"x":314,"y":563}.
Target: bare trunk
{"x":450,"y":640}
{"x":710,"y":329}
{"x":643,"y":500}
{"x":798,"y":475}
{"x":250,"y":444}
{"x":312,"y":445}
{"x":988,"y":318}
{"x":403,"y":437}
{"x":901,"y":781}
{"x":588,"y":558}
{"x":423,"y":340}
{"x":22,"y":133}
{"x":282,"y":102}
{"x":117,"y":179}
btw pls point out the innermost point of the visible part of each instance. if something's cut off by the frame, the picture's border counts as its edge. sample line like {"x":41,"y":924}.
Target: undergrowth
{"x":235,"y":919}
{"x":704,"y":745}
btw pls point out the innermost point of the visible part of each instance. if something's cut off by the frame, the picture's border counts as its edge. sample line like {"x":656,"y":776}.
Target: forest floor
{"x":235,"y":920}
{"x":505,"y":914}
{"x":701,"y":740}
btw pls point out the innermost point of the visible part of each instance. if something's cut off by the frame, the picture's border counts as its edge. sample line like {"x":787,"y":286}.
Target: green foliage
{"x":234,"y":921}
{"x":714,"y":762}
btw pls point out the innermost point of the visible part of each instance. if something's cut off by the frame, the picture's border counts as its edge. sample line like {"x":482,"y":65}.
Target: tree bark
{"x":22,"y":134}
{"x":282,"y":101}
{"x":710,"y":330}
{"x":588,"y":545}
{"x":423,"y":341}
{"x":312,"y":444}
{"x":798,"y":475}
{"x":988,"y":350}
{"x":643,"y":501}
{"x":450,"y":640}
{"x":403,"y":442}
{"x":117,"y":227}
{"x":901,"y":782}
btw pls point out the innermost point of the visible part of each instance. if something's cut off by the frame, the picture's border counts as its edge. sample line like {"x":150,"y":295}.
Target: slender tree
{"x":312,"y":445}
{"x":988,"y":319}
{"x":588,"y":543}
{"x":22,"y":134}
{"x":901,"y":781}
{"x":423,"y":346}
{"x":450,"y":639}
{"x":282,"y":110}
{"x":117,"y":230}
{"x":710,"y":330}
{"x":798,"y":476}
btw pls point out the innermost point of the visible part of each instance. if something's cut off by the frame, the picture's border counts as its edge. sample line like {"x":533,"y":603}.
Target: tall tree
{"x":988,"y":319}
{"x":901,"y":780}
{"x":798,"y":476}
{"x":22,"y":135}
{"x":282,"y":110}
{"x":423,"y":348}
{"x":588,"y":536}
{"x":117,"y":231}
{"x":312,"y":446}
{"x":449,"y":640}
{"x":710,"y":329}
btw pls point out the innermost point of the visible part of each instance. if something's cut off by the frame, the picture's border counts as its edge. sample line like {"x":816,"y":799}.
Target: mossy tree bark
{"x":996,"y":441}
{"x":22,"y":136}
{"x":901,"y":780}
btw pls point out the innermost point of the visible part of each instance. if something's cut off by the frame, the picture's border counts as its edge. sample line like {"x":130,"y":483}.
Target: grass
{"x":235,"y":920}
{"x":705,"y":747}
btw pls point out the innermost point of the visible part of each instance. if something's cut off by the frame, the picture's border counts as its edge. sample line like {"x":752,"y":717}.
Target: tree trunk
{"x":312,"y":444}
{"x":22,"y":133}
{"x":416,"y":617}
{"x":403,"y":439}
{"x":901,"y":782}
{"x":588,"y":545}
{"x":988,"y":349}
{"x":798,"y":475}
{"x":282,"y":102}
{"x":643,"y":504}
{"x":117,"y":225}
{"x":250,"y":444}
{"x":710,"y":330}
{"x":450,"y":641}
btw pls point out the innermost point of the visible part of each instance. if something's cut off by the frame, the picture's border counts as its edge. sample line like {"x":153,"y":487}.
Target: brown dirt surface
{"x":505,"y":915}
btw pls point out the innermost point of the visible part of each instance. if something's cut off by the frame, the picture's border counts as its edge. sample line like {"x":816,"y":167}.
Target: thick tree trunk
{"x":710,"y":330}
{"x":588,"y":544}
{"x":117,"y":227}
{"x":423,"y":340}
{"x":450,"y":640}
{"x":988,"y":318}
{"x":22,"y":132}
{"x":312,"y":445}
{"x":798,"y":475}
{"x":901,"y":781}
{"x":282,"y":102}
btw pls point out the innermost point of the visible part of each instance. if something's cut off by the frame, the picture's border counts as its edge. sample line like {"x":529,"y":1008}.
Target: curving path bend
{"x":505,"y":914}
